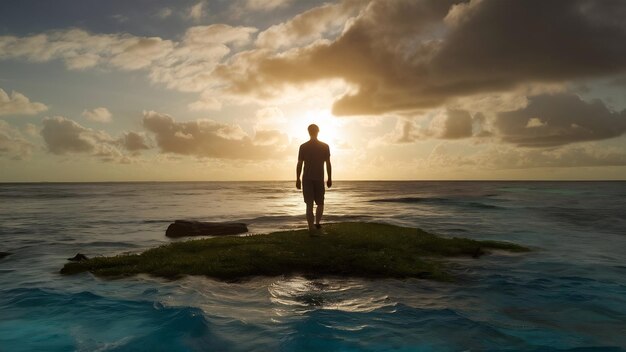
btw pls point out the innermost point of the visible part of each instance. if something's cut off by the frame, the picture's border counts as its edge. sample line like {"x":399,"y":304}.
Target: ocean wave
{"x":304,"y":295}
{"x":436,"y":201}
{"x":86,"y":322}
{"x":20,"y":194}
{"x":382,"y":328}
{"x":298,"y":218}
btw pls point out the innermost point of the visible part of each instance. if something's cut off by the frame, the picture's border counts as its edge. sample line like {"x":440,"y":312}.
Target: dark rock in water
{"x":79,"y":257}
{"x":4,"y":254}
{"x":182,"y":228}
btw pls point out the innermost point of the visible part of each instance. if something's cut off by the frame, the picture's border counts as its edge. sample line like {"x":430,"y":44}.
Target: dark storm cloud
{"x":207,"y":138}
{"x":407,"y":54}
{"x":552,"y":120}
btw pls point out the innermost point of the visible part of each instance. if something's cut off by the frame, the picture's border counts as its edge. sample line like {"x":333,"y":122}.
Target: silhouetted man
{"x":313,"y":154}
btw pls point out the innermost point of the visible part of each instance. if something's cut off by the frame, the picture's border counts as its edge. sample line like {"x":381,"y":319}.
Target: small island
{"x":357,"y":249}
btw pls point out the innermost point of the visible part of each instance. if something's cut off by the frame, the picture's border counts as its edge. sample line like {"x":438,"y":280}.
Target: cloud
{"x":268,"y":119}
{"x":270,"y":137}
{"x":569,"y":156}
{"x":185,"y":65}
{"x":442,"y":124}
{"x":64,"y":136}
{"x":544,"y":121}
{"x":265,"y":5}
{"x":120,"y":18}
{"x":164,"y":13}
{"x":31,"y":130}
{"x":206,"y":102}
{"x":270,"y":115}
{"x":619,"y":82}
{"x":80,"y":49}
{"x":12,"y":143}
{"x":309,"y":25}
{"x":504,"y":157}
{"x":196,"y":12}
{"x":207,"y":138}
{"x":98,"y":115}
{"x":18,"y":104}
{"x":409,"y":54}
{"x":134,"y":141}
{"x":188,"y":67}
{"x":457,"y":124}
{"x":552,"y":120}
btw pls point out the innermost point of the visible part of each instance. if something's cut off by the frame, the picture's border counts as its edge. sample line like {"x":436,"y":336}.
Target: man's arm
{"x":329,"y":171}
{"x":298,"y":172}
{"x":299,"y":168}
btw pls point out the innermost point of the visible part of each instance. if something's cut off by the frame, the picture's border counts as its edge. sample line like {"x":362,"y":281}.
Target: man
{"x":313,"y":154}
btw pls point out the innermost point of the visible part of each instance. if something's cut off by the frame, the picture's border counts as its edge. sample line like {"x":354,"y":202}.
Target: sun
{"x":330,"y":127}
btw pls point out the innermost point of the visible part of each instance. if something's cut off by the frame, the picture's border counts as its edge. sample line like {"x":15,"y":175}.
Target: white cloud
{"x":206,"y":102}
{"x":196,"y":12}
{"x":185,"y":65}
{"x":265,"y":5}
{"x":164,"y":13}
{"x":98,"y":115}
{"x":535,"y":122}
{"x":12,"y":143}
{"x":189,"y":66}
{"x":18,"y":104}
{"x":120,"y":18}
{"x":309,"y":25}
{"x":31,"y":130}
{"x":270,"y":114}
{"x":80,"y":49}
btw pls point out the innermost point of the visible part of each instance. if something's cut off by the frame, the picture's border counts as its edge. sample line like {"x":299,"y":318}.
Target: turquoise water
{"x":568,"y":294}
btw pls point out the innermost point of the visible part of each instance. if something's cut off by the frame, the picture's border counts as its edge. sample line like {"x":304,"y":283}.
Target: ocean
{"x":568,"y":294}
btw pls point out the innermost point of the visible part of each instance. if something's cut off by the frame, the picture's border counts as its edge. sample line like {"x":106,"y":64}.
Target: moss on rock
{"x":347,"y":249}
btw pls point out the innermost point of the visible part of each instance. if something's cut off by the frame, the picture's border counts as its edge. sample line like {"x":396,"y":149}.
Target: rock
{"x":182,"y":228}
{"x":79,"y":257}
{"x":4,"y":254}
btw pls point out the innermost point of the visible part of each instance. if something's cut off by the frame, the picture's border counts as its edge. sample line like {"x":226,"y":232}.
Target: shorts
{"x":313,"y":190}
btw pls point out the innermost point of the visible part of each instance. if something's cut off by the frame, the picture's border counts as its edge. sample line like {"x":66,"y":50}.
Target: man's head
{"x":313,"y":130}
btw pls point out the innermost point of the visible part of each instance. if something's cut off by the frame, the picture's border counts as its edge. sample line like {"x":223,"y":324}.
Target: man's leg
{"x":309,"y":195}
{"x":318,"y":213}
{"x":319,"y":201}
{"x":309,"y":215}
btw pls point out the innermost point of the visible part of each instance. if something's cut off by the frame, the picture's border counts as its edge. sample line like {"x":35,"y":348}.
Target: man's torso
{"x":314,"y":154}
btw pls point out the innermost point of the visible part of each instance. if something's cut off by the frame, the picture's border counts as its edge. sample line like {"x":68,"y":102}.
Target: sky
{"x":154,"y":90}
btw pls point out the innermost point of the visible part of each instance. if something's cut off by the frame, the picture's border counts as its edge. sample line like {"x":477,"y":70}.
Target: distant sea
{"x":568,"y":294}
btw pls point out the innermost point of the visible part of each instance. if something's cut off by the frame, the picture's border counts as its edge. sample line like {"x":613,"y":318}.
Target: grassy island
{"x":347,"y":249}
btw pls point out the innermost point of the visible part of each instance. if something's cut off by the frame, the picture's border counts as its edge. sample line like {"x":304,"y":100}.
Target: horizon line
{"x":334,"y":180}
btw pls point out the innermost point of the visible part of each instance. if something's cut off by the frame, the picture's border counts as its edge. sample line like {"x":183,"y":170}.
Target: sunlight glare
{"x":330,"y":127}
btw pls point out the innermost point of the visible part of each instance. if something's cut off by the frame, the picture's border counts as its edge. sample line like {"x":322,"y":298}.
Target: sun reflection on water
{"x":303,"y":295}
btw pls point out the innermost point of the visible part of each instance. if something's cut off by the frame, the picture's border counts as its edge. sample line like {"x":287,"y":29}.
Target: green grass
{"x":348,"y":249}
